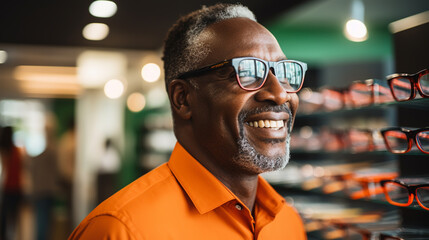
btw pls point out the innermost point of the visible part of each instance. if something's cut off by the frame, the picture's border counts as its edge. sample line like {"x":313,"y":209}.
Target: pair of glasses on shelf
{"x":402,"y":192}
{"x":405,"y":86}
{"x":368,"y":92}
{"x":400,"y":140}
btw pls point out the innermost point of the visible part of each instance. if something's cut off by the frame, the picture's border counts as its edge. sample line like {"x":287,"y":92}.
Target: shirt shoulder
{"x":133,"y":206}
{"x":104,"y":227}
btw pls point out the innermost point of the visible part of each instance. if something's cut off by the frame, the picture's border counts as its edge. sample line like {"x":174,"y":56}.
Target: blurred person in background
{"x":233,"y":112}
{"x":45,"y":180}
{"x":67,"y":164}
{"x":12,"y":189}
{"x":108,"y":169}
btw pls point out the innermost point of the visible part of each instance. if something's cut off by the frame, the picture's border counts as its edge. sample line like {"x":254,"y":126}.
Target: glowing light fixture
{"x":151,"y":72}
{"x":103,"y":8}
{"x":3,"y":56}
{"x":47,"y":81}
{"x":114,"y":89}
{"x":95,"y":31}
{"x":136,"y":102}
{"x":96,"y":67}
{"x":355,"y":29}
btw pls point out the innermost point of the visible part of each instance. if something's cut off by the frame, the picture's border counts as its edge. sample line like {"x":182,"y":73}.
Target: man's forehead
{"x":240,"y":37}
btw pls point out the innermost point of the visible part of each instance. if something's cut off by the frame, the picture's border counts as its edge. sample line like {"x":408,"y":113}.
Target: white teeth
{"x":267,"y":124}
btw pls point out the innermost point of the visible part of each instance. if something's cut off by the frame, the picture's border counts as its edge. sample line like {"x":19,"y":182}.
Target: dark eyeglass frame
{"x":234,"y":62}
{"x":412,"y":192}
{"x":414,"y":80}
{"x":411,"y":136}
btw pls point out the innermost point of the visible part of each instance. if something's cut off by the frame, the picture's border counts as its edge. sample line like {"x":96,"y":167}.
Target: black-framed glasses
{"x":403,"y":86}
{"x":251,"y":72}
{"x":400,"y":140}
{"x":401,"y":194}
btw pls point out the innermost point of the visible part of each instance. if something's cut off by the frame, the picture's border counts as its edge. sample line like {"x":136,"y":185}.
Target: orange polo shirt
{"x":182,"y":200}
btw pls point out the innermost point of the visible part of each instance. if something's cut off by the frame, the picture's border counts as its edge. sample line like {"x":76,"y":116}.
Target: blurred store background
{"x":81,"y":86}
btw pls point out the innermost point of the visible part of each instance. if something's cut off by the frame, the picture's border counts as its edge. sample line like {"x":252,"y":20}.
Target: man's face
{"x":223,"y":113}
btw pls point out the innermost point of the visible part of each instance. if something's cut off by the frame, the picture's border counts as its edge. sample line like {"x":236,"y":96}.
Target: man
{"x":232,"y":120}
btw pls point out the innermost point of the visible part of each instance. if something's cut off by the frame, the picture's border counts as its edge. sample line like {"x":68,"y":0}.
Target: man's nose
{"x":272,"y":90}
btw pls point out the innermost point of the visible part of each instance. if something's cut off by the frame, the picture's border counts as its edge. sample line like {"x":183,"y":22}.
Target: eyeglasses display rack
{"x":339,"y":158}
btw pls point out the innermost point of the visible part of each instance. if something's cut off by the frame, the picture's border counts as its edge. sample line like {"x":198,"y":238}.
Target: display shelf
{"x":411,"y":114}
{"x":351,"y":154}
{"x":369,"y":203}
{"x":415,"y":103}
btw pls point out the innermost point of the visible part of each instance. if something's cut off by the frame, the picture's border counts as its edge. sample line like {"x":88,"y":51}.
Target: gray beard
{"x":253,"y":161}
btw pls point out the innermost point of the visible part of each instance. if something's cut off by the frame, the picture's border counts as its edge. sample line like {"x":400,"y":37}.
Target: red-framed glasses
{"x":400,"y":140}
{"x":401,"y":194}
{"x":403,"y":86}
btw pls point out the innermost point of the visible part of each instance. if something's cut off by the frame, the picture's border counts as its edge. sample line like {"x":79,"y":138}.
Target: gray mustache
{"x":277,"y":108}
{"x":268,"y":108}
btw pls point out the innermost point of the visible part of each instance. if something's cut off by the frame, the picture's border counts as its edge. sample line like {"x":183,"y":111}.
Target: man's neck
{"x":243,"y":186}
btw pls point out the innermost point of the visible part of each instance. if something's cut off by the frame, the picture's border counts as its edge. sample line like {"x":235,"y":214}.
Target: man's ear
{"x":178,"y":92}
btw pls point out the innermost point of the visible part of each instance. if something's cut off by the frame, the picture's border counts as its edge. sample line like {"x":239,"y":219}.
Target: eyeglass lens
{"x":399,"y":194}
{"x":402,"y":86}
{"x":397,"y":141}
{"x":252,"y":73}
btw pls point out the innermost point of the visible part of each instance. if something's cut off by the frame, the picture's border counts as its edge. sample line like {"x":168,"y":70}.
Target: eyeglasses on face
{"x":403,"y":86}
{"x":252,"y":73}
{"x":401,"y":194}
{"x":399,"y":140}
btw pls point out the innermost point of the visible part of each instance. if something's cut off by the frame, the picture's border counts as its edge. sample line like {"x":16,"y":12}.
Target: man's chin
{"x":275,"y":156}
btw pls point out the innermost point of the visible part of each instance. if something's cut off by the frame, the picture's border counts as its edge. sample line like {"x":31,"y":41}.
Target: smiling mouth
{"x":272,"y":124}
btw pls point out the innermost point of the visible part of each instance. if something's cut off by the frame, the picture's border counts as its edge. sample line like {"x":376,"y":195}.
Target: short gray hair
{"x":182,"y":48}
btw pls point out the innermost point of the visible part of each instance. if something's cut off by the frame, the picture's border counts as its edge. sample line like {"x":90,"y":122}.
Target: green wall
{"x":324,"y":45}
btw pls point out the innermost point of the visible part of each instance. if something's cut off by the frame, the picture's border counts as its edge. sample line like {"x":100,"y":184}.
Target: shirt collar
{"x":202,"y":187}
{"x":268,"y":199}
{"x":207,"y":192}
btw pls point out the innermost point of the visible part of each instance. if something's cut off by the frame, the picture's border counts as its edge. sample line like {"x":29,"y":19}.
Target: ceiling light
{"x":102,"y":8}
{"x":95,"y":31}
{"x":114,"y":88}
{"x":355,"y":29}
{"x":151,"y":72}
{"x":136,"y":102}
